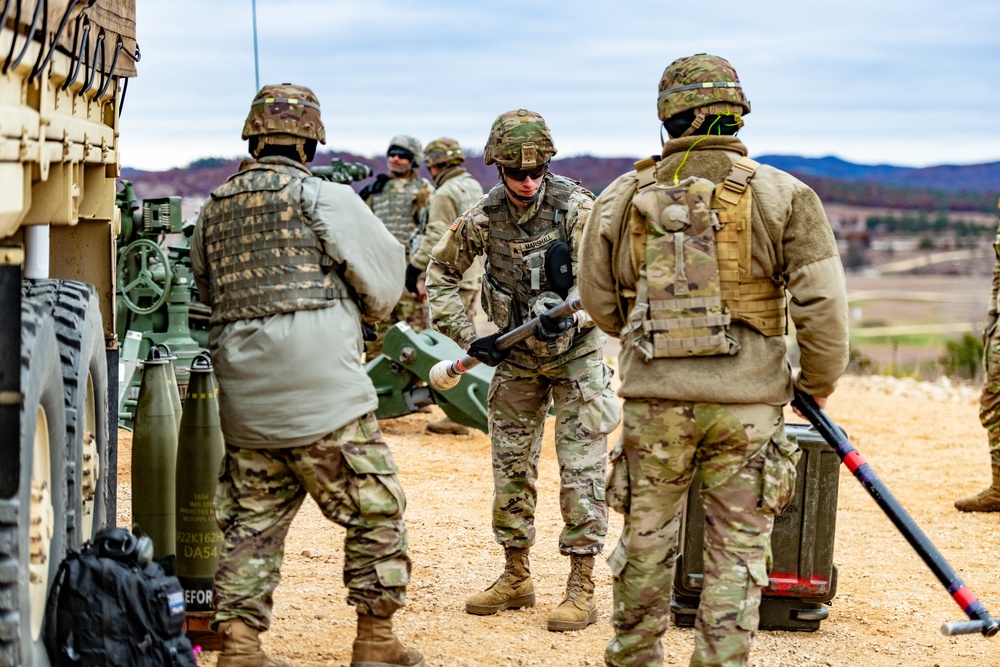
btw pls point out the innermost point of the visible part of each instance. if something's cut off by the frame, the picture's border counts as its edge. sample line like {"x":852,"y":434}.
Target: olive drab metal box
{"x":803,"y":577}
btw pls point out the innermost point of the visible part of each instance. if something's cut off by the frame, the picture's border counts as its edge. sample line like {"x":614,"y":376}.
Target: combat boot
{"x":377,"y":646}
{"x":447,"y":427}
{"x":985,"y":501}
{"x":241,"y":647}
{"x":512,"y":590}
{"x":577,"y":610}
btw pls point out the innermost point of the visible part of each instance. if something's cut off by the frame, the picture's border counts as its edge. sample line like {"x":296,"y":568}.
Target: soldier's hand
{"x":368,"y":332}
{"x":485,"y":350}
{"x":548,"y":329}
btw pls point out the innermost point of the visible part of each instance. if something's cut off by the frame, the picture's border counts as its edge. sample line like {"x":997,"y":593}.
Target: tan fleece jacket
{"x":791,"y":242}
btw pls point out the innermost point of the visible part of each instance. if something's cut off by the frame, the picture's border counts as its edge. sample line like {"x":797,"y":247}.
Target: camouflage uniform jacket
{"x":470,"y":236}
{"x":399,"y":203}
{"x":457,"y":191}
{"x":791,"y":242}
{"x":273,"y":393}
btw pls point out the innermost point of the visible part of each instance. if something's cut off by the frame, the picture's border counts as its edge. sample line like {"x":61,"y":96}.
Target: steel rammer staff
{"x":980,"y":619}
{"x":446,"y":374}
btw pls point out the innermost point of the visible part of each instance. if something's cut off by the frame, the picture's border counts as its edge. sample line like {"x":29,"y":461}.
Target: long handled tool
{"x":446,"y":374}
{"x":980,"y":619}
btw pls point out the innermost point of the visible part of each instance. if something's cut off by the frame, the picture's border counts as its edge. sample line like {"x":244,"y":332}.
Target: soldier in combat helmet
{"x":988,"y":500}
{"x":399,"y":199}
{"x":291,"y":265}
{"x":689,"y":259}
{"x":528,"y":227}
{"x":457,"y":191}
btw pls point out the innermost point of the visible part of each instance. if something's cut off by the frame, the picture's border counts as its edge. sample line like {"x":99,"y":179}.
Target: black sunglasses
{"x":521,"y":174}
{"x":400,"y":152}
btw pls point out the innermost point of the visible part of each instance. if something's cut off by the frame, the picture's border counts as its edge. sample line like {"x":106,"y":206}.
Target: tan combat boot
{"x":512,"y":590}
{"x":241,"y":647}
{"x":447,"y":427}
{"x":377,"y":646}
{"x":578,"y":610}
{"x":985,"y":501}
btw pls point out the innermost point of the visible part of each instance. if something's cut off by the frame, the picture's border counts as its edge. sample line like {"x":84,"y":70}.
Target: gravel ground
{"x":923,"y":440}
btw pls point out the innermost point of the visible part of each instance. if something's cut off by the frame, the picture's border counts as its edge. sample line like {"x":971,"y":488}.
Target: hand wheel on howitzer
{"x":148,"y":275}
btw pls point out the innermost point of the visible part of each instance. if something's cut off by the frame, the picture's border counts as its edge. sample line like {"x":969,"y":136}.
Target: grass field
{"x":901,"y":323}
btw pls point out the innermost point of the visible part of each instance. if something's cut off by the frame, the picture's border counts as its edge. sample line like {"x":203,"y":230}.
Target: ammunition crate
{"x":803,"y":577}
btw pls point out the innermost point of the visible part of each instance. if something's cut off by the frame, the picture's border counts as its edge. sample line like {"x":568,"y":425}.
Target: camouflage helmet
{"x":701,"y":81}
{"x":519,"y":139}
{"x":409,"y":143}
{"x":443,"y":151}
{"x":285,"y":109}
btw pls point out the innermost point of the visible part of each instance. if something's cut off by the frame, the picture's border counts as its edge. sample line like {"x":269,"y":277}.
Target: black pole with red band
{"x":980,"y":619}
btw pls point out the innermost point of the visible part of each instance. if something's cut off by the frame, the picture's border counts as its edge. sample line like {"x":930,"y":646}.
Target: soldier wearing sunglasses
{"x":527,"y":227}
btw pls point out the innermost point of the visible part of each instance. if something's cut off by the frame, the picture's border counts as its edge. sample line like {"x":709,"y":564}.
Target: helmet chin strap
{"x":514,"y":195}
{"x":521,"y":198}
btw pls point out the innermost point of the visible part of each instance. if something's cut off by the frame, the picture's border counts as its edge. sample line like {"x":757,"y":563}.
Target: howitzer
{"x":980,"y":619}
{"x":339,"y":171}
{"x":156,"y":296}
{"x":158,"y":304}
{"x":446,"y":374}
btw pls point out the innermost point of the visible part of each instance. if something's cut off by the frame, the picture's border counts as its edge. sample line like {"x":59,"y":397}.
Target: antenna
{"x":256,"y":66}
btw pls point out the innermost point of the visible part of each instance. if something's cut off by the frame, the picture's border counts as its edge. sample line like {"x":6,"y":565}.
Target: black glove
{"x":368,"y":332}
{"x":485,"y":350}
{"x":547,"y":329}
{"x":374,"y":187}
{"x":412,"y":276}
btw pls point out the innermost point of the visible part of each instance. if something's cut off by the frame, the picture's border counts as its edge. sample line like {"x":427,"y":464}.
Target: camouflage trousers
{"x":351,"y":474}
{"x":408,"y":309}
{"x":989,"y":400}
{"x":747,"y":470}
{"x":586,"y":410}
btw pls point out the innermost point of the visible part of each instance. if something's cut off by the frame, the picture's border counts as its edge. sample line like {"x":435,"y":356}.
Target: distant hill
{"x":984,"y":178}
{"x":945,"y":187}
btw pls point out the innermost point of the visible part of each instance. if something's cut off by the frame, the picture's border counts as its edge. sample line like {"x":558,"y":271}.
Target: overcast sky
{"x":902,"y":82}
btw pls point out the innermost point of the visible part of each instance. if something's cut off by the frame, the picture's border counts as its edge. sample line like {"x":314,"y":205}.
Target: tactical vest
{"x":265,"y":260}
{"x":693,"y":242}
{"x":515,"y":257}
{"x":396,"y":205}
{"x":463,"y":189}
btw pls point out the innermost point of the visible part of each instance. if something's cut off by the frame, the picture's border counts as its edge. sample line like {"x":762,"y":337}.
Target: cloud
{"x":900,"y":82}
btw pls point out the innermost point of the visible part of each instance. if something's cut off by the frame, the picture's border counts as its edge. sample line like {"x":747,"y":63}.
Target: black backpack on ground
{"x":111,"y":605}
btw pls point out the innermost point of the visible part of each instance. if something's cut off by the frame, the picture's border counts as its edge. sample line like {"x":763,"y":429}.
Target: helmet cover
{"x":443,"y":151}
{"x":409,"y":143}
{"x":519,"y":139}
{"x":697,"y":81}
{"x":285,"y":109}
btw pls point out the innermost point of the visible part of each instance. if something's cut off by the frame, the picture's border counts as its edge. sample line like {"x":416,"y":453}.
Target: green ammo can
{"x":803,"y":576}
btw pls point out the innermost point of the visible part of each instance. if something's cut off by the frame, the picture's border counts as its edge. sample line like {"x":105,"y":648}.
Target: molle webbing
{"x":756,"y":302}
{"x":516,"y":254}
{"x":394,"y":206}
{"x":265,"y":260}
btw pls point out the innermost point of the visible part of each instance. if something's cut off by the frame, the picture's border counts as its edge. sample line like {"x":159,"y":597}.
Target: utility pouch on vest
{"x":678,"y":310}
{"x":498,"y":304}
{"x":559,"y":268}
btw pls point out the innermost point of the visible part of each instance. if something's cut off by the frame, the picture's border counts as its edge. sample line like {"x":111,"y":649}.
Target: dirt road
{"x":928,"y":447}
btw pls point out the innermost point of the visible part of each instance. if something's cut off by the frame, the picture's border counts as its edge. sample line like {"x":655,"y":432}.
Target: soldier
{"x":456,"y":192}
{"x":530,"y":222}
{"x":988,"y":500}
{"x":291,"y":265}
{"x":689,"y":259}
{"x":398,"y":199}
